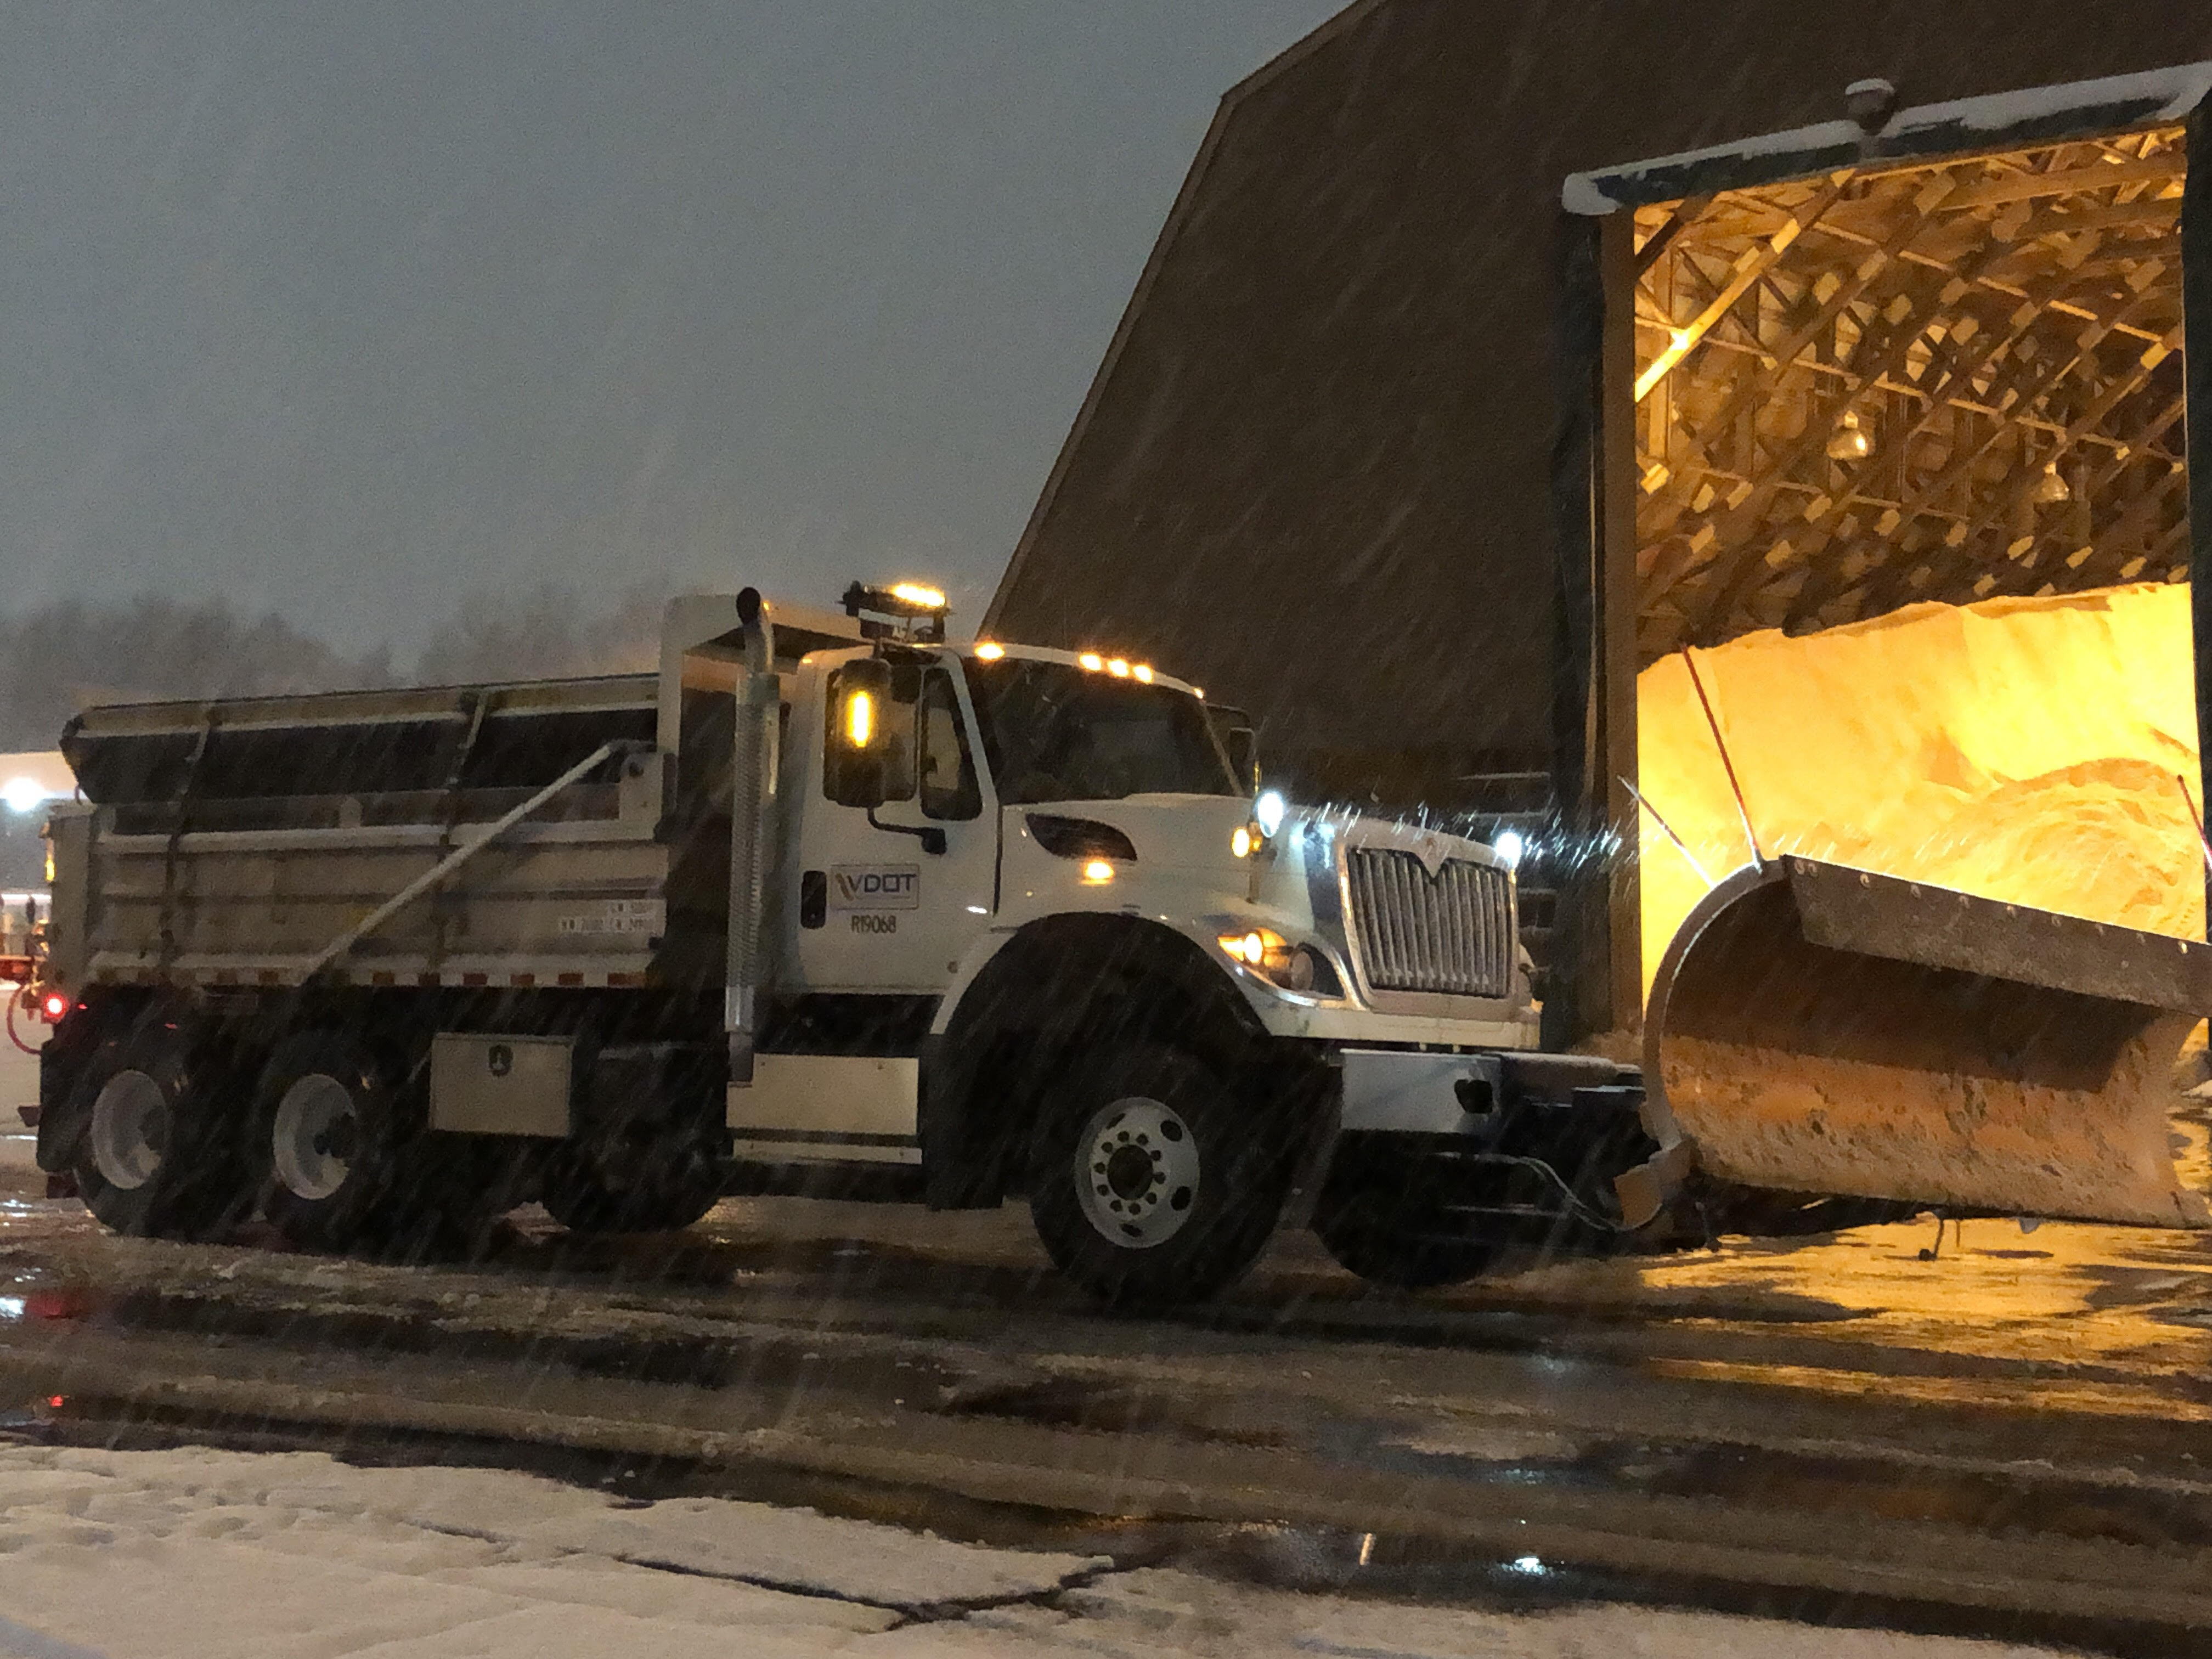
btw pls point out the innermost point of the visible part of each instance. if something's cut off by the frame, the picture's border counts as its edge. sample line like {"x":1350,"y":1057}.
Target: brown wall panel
{"x":1314,"y":474}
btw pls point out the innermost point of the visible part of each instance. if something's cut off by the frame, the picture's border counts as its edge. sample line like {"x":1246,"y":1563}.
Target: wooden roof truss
{"x":1936,"y":382}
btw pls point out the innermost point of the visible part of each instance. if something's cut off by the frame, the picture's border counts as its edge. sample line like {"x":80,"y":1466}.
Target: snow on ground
{"x":204,"y":1555}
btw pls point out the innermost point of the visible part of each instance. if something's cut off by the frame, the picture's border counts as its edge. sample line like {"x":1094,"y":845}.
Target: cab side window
{"x":948,"y":786}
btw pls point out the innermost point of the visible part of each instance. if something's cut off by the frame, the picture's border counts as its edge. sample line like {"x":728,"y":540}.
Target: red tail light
{"x":52,"y":1006}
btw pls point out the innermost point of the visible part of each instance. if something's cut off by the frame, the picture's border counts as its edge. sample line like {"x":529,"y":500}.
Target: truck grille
{"x":1452,"y":933}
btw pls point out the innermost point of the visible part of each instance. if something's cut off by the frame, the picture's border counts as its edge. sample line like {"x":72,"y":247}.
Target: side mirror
{"x":1232,"y":728}
{"x":858,"y":738}
{"x":1243,"y":747}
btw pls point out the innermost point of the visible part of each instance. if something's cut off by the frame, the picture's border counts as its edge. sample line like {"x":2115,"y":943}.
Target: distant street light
{"x":24,"y":794}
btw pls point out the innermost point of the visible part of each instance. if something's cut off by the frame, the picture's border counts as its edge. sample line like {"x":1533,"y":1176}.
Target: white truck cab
{"x":1028,"y":916}
{"x":1022,"y":783}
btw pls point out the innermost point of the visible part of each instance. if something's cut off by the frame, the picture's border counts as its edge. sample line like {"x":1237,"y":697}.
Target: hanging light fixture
{"x":2052,"y":488}
{"x":2080,"y":522}
{"x":1849,"y":441}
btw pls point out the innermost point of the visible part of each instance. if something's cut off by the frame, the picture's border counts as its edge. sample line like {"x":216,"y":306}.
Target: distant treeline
{"x":57,"y":659}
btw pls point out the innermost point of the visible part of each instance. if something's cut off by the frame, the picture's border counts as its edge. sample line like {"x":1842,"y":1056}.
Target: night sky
{"x":350,"y":311}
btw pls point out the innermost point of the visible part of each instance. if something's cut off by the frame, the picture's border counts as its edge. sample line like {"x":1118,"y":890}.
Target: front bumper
{"x":1499,"y":1026}
{"x":1392,"y":1090}
{"x":1530,"y":1143}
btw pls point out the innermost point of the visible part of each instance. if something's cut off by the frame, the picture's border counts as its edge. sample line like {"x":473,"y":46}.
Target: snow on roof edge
{"x":2183,"y":87}
{"x":2179,"y":90}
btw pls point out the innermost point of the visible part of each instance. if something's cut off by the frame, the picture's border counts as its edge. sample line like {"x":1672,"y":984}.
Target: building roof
{"x":1314,"y":470}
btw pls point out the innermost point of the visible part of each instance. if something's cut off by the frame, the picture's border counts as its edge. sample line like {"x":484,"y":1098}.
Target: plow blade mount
{"x":1818,"y":1030}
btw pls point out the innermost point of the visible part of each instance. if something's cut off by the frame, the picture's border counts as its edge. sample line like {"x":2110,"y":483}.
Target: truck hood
{"x":1179,"y":833}
{"x":1186,"y":875}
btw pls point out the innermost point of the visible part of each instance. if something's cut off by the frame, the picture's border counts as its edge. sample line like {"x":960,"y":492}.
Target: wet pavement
{"x":2012,"y":1438}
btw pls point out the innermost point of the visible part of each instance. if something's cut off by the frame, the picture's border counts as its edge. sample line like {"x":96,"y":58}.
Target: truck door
{"x":878,"y":909}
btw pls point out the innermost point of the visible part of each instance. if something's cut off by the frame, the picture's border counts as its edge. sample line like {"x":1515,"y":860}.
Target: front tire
{"x":1152,"y":1182}
{"x":663,"y":1191}
{"x":1408,"y":1246}
{"x":151,"y":1160}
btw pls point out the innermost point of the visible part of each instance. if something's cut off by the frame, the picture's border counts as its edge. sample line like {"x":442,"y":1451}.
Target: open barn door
{"x":1889,"y":444}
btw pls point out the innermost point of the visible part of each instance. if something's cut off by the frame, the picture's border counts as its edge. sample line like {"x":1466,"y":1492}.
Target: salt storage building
{"x":1495,"y":362}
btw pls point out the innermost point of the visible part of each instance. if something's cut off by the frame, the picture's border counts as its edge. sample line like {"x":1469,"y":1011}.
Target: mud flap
{"x":1814,"y":1029}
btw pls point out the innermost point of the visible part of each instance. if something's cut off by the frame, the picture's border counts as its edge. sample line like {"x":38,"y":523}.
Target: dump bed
{"x":233,"y":842}
{"x":247,"y":840}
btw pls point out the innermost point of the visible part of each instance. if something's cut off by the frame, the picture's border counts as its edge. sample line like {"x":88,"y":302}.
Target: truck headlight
{"x":1295,"y":968}
{"x":1253,"y":949}
{"x":1267,"y":812}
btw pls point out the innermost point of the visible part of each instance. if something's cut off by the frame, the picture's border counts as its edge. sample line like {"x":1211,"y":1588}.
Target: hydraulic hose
{"x":12,"y":1037}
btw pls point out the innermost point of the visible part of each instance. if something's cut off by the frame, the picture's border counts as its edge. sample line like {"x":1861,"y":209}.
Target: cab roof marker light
{"x":919,"y":606}
{"x":989,"y":652}
{"x":1091,"y":660}
{"x":1119,"y":668}
{"x":1143,"y":670}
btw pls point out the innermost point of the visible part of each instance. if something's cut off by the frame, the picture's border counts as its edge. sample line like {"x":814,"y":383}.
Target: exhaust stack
{"x":752,"y":817}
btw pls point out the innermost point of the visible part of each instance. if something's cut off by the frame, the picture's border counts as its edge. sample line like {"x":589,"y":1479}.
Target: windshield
{"x":1053,"y":731}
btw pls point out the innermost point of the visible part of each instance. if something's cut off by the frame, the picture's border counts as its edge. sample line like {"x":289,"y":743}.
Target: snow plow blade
{"x":1822,"y":1031}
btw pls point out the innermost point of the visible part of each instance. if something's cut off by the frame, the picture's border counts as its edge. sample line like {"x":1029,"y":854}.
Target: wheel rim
{"x":130,"y":1130}
{"x":1136,"y":1172}
{"x":312,"y":1142}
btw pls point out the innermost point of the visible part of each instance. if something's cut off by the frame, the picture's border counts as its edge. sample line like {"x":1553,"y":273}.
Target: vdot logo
{"x":875,"y":887}
{"x":500,"y":1058}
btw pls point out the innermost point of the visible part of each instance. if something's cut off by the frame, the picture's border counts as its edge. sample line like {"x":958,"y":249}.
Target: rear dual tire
{"x":344,"y":1166}
{"x":328,"y":1151}
{"x":152,"y":1158}
{"x":326,"y":1131}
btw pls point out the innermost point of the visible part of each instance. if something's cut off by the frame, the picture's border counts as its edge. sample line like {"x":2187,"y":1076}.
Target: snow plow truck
{"x":828,"y":904}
